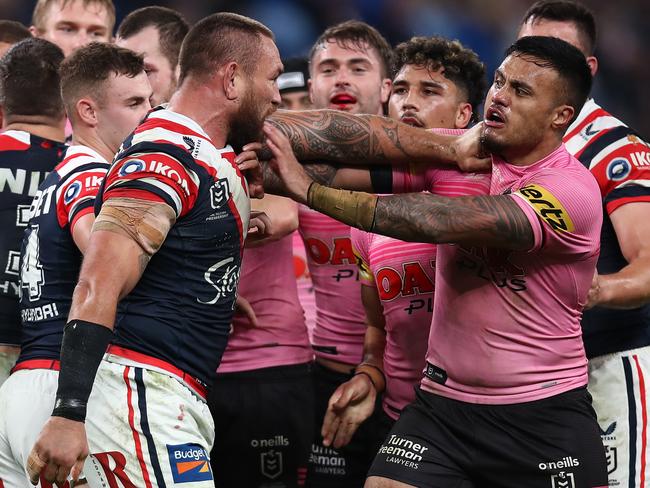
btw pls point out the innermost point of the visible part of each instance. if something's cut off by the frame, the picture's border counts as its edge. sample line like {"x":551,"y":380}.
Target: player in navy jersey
{"x":616,"y":330}
{"x":106,"y":93}
{"x":31,"y":145}
{"x":166,"y":244}
{"x":157,"y":33}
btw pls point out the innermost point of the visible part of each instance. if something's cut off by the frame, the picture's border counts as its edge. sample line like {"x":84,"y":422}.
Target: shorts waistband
{"x":193,"y":383}
{"x":53,"y":364}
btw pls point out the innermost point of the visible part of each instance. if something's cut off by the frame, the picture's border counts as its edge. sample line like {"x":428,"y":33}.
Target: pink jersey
{"x":506,"y":326}
{"x":268,"y":283}
{"x":303,"y":278}
{"x":340,"y":326}
{"x":403,"y":273}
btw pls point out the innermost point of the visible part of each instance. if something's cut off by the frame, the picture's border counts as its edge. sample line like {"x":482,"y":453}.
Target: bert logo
{"x":189,"y":462}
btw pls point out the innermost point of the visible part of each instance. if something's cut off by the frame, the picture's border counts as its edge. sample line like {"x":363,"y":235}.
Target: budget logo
{"x":189,"y":463}
{"x":618,"y":169}
{"x":131,"y":166}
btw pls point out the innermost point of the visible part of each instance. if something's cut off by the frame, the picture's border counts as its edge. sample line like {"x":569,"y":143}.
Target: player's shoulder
{"x":15,"y":140}
{"x":79,"y":158}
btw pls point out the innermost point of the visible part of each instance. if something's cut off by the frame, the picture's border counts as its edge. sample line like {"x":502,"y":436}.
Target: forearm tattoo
{"x":147,"y":223}
{"x":494,"y":221}
{"x":332,"y":135}
{"x":322,"y":173}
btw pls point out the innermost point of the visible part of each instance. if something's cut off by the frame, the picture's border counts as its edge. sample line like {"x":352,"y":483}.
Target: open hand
{"x":286,"y":166}
{"x":349,"y":406}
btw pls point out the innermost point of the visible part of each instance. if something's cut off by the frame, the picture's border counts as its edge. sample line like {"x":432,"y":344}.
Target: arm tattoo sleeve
{"x":147,"y":223}
{"x":332,"y":135}
{"x":322,"y":173}
{"x":495,"y":221}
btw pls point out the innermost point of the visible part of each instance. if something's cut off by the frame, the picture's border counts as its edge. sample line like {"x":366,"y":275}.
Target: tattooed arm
{"x":495,"y":221}
{"x":330,"y":135}
{"x":126,"y":233}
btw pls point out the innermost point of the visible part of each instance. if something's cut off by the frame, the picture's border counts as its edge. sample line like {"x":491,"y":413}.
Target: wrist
{"x":82,"y":349}
{"x":374,"y":373}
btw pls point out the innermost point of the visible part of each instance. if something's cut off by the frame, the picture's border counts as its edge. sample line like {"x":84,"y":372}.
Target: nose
{"x":276,"y":100}
{"x":410,"y":102}
{"x":342,"y":77}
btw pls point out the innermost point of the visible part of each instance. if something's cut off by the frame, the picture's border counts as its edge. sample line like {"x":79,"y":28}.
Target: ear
{"x":463,"y":115}
{"x":177,"y":73}
{"x":310,"y":89}
{"x":386,"y":85}
{"x":562,"y":117}
{"x":34,"y":31}
{"x":592,"y":61}
{"x":86,"y":109}
{"x":232,"y":82}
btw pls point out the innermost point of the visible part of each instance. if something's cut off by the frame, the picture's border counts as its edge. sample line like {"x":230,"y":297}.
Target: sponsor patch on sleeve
{"x":189,"y":463}
{"x":547,"y":207}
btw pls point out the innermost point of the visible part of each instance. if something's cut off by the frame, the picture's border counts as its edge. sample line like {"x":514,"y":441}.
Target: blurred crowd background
{"x":487,"y":26}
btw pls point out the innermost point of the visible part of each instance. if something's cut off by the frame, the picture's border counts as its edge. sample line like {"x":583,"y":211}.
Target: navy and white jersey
{"x":620,"y":161}
{"x":25,"y":161}
{"x":50,"y":260}
{"x":181,"y":309}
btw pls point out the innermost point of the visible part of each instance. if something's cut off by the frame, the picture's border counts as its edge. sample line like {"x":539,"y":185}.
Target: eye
{"x":399,"y":91}
{"x":429,"y":93}
{"x":359,"y":69}
{"x":498,"y":82}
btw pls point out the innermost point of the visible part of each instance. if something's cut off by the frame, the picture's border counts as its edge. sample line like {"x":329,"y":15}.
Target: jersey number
{"x":31,"y":272}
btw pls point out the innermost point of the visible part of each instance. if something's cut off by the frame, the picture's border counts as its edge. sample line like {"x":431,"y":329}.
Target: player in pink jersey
{"x":616,"y":330}
{"x":294,"y":91}
{"x":439,"y":83}
{"x":504,"y":400}
{"x":262,"y":400}
{"x":349,"y":71}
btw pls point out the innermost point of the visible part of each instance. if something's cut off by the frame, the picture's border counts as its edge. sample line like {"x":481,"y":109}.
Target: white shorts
{"x":26,"y":402}
{"x":619,"y":384}
{"x":146,"y":429}
{"x":7,"y":361}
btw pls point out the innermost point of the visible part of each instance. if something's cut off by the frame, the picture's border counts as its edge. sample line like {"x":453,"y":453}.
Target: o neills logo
{"x":196,"y":454}
{"x":567,"y":462}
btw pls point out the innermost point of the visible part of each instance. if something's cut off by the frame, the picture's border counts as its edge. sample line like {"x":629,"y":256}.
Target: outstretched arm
{"x":330,"y":135}
{"x":495,"y":221}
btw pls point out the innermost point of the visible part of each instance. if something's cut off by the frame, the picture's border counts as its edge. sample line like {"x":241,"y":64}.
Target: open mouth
{"x":343,"y":100}
{"x":411,"y":120}
{"x":494,"y":118}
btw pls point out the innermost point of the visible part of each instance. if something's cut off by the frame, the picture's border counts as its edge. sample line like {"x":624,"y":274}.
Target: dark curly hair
{"x":461,"y":65}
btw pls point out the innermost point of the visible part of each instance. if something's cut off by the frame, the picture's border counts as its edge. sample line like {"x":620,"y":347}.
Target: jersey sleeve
{"x":153,"y":176}
{"x":75,"y":197}
{"x":564,"y":211}
{"x":622,"y":169}
{"x":360,"y":245}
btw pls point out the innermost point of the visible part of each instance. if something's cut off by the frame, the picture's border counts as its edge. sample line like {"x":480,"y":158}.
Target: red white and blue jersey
{"x":620,"y":161}
{"x":25,"y":161}
{"x":50,"y":260}
{"x":181,"y":309}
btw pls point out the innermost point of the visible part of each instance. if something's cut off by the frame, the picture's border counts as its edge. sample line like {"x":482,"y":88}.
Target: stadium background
{"x":487,"y":26}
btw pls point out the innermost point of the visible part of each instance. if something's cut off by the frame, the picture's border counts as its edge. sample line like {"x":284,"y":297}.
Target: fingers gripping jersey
{"x":620,"y":161}
{"x":181,"y":309}
{"x":50,"y":260}
{"x":25,"y":161}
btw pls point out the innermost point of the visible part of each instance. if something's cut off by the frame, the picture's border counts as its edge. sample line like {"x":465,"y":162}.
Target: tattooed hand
{"x":286,"y":166}
{"x":468,"y":151}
